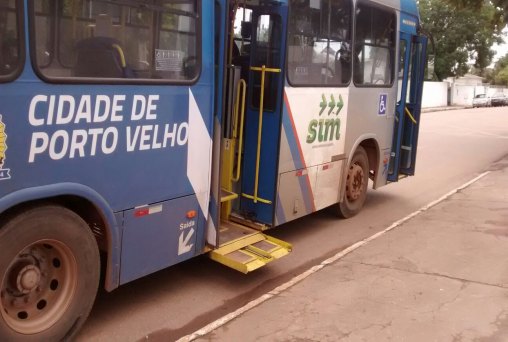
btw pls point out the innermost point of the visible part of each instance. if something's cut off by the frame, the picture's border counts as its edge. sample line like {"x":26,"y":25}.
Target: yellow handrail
{"x":410,"y":115}
{"x":263,"y":70}
{"x":122,"y":56}
{"x":242,"y":88}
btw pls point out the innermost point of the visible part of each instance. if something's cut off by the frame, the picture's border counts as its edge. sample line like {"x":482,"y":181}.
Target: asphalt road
{"x":454,"y":147}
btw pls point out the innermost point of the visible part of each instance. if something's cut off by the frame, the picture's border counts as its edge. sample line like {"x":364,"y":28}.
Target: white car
{"x":481,"y":100}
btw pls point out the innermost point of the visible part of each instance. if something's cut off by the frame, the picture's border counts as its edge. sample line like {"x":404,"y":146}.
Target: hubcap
{"x":38,"y":286}
{"x":355,"y":182}
{"x":28,"y":279}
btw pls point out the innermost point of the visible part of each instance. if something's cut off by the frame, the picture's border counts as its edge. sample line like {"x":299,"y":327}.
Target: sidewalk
{"x":440,"y":276}
{"x":443,"y":109}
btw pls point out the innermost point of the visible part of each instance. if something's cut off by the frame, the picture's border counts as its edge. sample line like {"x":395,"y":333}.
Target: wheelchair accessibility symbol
{"x":383,"y":99}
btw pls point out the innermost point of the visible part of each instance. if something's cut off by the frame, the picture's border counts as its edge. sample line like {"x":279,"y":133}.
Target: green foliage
{"x":463,"y":30}
{"x":499,"y":75}
{"x":501,"y":6}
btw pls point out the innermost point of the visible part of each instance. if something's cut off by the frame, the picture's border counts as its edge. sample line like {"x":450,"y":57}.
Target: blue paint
{"x":280,"y":218}
{"x":405,"y":140}
{"x":409,"y":7}
{"x":151,"y":243}
{"x":306,"y":193}
{"x":297,"y":158}
{"x":409,"y":16}
{"x":291,"y":138}
{"x":114,"y":182}
{"x":383,"y":102}
{"x":270,"y":135}
{"x":408,"y":23}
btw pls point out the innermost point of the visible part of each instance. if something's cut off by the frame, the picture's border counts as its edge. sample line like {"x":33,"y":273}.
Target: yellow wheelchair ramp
{"x":250,"y":249}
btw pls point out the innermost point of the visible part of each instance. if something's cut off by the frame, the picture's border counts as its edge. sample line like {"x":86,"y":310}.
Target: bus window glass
{"x":319,"y":43}
{"x":268,"y":42}
{"x":10,"y":57}
{"x":242,"y":31}
{"x":117,"y":39}
{"x":402,"y":64}
{"x":44,"y":43}
{"x":374,"y":46}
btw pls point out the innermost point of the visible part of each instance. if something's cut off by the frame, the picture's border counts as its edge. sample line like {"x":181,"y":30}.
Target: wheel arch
{"x":371,"y":145}
{"x":86,"y":203}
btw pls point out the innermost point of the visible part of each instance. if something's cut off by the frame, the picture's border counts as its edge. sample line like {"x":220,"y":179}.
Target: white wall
{"x":462,"y":95}
{"x":435,"y":94}
{"x":497,"y":89}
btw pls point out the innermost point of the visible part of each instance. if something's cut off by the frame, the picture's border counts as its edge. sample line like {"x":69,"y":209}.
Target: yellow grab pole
{"x":266,"y":69}
{"x":263,"y":70}
{"x":242,"y":88}
{"x":260,"y":130}
{"x":410,"y":115}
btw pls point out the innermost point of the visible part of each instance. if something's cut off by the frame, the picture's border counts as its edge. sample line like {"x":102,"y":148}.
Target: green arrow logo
{"x":331,"y":105}
{"x":322,"y":104}
{"x":340,"y":104}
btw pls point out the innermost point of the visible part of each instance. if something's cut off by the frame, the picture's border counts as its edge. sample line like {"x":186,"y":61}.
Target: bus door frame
{"x":258,"y":203}
{"x":408,"y":109}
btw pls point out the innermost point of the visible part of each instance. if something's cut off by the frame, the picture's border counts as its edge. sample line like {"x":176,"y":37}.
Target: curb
{"x":442,"y":109}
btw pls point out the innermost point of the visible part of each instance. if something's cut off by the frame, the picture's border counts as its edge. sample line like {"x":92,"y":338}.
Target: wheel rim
{"x":38,"y":286}
{"x":355,"y":182}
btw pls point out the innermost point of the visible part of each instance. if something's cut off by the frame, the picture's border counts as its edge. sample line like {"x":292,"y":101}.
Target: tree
{"x":501,"y":6}
{"x":499,"y":75}
{"x":463,"y":30}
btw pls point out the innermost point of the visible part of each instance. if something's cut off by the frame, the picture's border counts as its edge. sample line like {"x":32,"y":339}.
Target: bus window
{"x":268,"y":42}
{"x":242,"y":30}
{"x":142,"y":40}
{"x":10,"y":45}
{"x":374,"y":46}
{"x":402,"y":66}
{"x":319,"y":43}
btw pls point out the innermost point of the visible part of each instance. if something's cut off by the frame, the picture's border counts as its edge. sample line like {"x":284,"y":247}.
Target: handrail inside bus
{"x":410,"y":115}
{"x":122,"y":56}
{"x":238,"y":133}
{"x":263,"y":70}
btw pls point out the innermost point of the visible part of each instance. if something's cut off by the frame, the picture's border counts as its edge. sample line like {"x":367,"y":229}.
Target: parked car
{"x":499,"y":99}
{"x":481,"y":100}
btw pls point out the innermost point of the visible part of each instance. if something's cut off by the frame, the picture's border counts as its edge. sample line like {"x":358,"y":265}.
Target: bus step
{"x":250,"y":253}
{"x":236,"y":218}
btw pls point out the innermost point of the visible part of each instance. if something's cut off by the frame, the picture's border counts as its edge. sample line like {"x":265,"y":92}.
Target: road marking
{"x":256,"y":302}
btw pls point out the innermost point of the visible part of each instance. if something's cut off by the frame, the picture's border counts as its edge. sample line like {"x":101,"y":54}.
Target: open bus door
{"x":263,"y":114}
{"x":251,"y":128}
{"x":413,"y":51}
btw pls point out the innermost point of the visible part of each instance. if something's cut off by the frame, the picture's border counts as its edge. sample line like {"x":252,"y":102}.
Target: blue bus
{"x":136,"y":134}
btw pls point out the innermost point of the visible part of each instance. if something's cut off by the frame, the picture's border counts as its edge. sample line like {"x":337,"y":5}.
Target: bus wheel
{"x":357,"y":179}
{"x":49,"y":274}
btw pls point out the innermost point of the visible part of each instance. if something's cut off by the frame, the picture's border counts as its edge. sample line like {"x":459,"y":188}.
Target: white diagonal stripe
{"x":199,"y":156}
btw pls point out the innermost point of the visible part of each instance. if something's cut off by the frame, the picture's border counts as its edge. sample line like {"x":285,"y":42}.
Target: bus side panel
{"x":158,"y":236}
{"x":366,"y":122}
{"x":131,"y":144}
{"x":312,"y":150}
{"x":130,"y":162}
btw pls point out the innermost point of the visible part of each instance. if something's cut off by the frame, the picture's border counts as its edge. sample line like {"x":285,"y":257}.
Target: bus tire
{"x":49,"y":275}
{"x":356,"y":182}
